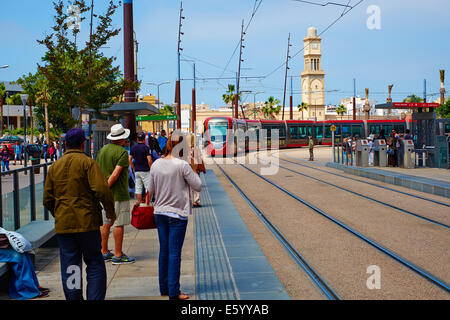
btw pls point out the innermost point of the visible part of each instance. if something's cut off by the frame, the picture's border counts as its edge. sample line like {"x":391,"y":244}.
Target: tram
{"x":226,"y":135}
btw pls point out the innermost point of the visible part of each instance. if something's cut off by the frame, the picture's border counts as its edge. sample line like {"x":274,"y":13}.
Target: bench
{"x":38,"y":233}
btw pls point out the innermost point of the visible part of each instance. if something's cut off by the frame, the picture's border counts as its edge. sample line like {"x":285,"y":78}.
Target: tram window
{"x":296,"y":132}
{"x":346,"y":130}
{"x":328,"y":132}
{"x":447,"y":128}
{"x":399,"y":128}
{"x":375,"y":129}
{"x":318,"y":132}
{"x":388,"y":128}
{"x":357,"y":131}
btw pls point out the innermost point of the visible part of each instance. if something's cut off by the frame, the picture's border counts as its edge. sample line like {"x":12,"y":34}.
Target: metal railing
{"x":16,"y":208}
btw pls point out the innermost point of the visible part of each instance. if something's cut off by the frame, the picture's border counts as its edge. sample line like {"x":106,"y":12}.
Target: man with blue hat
{"x":75,"y":191}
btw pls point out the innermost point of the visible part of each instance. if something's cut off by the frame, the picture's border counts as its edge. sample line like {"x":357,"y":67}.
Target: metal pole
{"x":354,"y":99}
{"x":333,"y":146}
{"x":16,"y":200}
{"x":177,"y":86}
{"x":239,"y":75}
{"x":32,"y":195}
{"x":25,"y":132}
{"x":285,"y":75}
{"x":1,"y":202}
{"x":46,"y":216}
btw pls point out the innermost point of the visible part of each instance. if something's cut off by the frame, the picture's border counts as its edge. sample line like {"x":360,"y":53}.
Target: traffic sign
{"x":157,"y":117}
{"x":333,"y":128}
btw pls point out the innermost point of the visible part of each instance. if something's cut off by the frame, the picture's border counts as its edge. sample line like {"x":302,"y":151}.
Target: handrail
{"x":16,"y":191}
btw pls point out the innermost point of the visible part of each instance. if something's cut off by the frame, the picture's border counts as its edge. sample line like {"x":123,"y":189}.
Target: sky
{"x":410,"y":43}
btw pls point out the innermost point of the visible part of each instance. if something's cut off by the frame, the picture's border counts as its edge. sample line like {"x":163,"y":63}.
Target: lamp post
{"x":158,"y":85}
{"x":1,"y":106}
{"x":24,"y":98}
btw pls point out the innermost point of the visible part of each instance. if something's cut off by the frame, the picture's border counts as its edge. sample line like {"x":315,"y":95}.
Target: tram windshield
{"x":218,"y":130}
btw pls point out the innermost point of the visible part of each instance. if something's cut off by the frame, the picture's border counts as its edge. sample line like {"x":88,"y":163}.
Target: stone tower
{"x":313,"y":77}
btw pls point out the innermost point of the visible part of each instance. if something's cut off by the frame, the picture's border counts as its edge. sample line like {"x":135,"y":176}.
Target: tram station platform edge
{"x":427,"y":185}
{"x":229,"y":263}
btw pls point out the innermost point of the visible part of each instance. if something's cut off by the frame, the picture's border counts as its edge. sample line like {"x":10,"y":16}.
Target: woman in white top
{"x":171,"y":178}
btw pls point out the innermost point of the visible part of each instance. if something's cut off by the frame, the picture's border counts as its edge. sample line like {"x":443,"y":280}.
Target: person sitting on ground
{"x":171,"y":179}
{"x":23,"y":283}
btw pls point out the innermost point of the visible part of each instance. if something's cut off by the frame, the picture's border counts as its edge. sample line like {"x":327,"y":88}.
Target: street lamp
{"x":158,"y":85}
{"x":254,"y":103}
{"x":24,"y":98}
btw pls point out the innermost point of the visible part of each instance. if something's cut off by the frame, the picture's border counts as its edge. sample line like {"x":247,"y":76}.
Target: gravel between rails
{"x":338,"y":256}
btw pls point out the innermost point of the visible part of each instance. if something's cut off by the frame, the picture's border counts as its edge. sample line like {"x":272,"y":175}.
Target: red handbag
{"x":142,"y":216}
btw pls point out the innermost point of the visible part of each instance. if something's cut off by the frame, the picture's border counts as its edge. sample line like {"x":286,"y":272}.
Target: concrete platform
{"x":220,"y":259}
{"x":399,"y":177}
{"x":430,"y":180}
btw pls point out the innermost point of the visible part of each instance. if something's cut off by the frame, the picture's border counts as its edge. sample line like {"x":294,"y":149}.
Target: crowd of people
{"x":393,"y":141}
{"x":89,"y":198}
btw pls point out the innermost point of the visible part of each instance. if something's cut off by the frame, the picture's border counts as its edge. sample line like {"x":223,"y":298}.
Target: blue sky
{"x":411,"y":45}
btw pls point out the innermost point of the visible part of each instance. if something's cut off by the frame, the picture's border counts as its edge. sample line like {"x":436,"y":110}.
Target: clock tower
{"x":313,"y":77}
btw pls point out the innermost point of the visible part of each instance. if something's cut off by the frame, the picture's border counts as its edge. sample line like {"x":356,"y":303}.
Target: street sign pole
{"x":332,"y":143}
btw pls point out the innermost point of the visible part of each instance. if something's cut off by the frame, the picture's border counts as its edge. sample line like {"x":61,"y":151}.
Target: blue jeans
{"x":72,"y":248}
{"x":171,"y":233}
{"x":23,"y":283}
{"x":5,"y":165}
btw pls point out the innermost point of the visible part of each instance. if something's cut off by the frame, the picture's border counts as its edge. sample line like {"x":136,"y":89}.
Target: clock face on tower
{"x":315,"y":45}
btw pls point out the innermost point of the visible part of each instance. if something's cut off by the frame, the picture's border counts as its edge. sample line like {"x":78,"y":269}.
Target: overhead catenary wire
{"x":325,"y":30}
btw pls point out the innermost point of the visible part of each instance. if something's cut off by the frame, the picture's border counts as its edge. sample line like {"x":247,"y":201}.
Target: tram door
{"x":281,"y":133}
{"x":298,"y":134}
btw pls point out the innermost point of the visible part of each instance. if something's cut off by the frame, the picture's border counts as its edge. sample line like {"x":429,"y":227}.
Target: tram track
{"x":404,"y":262}
{"x":369,"y":183}
{"x":320,"y":283}
{"x":441,"y":224}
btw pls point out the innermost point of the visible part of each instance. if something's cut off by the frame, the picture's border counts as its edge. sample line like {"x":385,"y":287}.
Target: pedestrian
{"x":162,"y":140}
{"x":58,"y":151}
{"x":155,"y":151}
{"x":52,"y":151}
{"x":392,"y":145}
{"x":382,"y":136}
{"x":18,"y":150}
{"x":197,"y":166}
{"x":407,"y":135}
{"x":140,"y":161}
{"x":171,"y":179}
{"x":114,"y":162}
{"x":5,"y":156}
{"x":45,"y":150}
{"x":345,"y":149}
{"x":74,"y":188}
{"x":371,"y":150}
{"x":311,"y":148}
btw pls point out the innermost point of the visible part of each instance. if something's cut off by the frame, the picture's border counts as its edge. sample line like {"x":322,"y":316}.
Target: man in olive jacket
{"x":74,"y":188}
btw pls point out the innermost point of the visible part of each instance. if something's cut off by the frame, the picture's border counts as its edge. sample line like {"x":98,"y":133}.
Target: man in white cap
{"x":113,"y":160}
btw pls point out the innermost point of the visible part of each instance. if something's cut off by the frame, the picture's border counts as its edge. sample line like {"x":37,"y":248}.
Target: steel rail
{"x":425,"y":274}
{"x":299,"y":259}
{"x":369,"y":183}
{"x":369,"y":198}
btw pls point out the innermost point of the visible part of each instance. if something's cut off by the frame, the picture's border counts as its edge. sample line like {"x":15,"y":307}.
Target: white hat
{"x":118,"y":132}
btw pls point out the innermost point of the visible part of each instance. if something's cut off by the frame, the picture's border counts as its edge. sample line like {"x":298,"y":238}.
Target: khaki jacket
{"x":74,"y":188}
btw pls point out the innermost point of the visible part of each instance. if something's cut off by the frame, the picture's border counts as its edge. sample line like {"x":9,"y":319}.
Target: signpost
{"x":333,"y":130}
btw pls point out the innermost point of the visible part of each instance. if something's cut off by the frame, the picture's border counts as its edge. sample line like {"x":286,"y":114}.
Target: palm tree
{"x":442,"y":90}
{"x":271,"y":107}
{"x":302,"y":107}
{"x":2,"y":94}
{"x":229,"y":96}
{"x":166,"y":110}
{"x":341,"y":110}
{"x":413,"y":99}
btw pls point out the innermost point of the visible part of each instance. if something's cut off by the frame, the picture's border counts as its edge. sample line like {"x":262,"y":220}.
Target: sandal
{"x":41,"y":289}
{"x":41,"y":295}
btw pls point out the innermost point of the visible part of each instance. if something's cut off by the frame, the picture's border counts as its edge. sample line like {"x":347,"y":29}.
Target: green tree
{"x":229,"y":96}
{"x":413,"y":99}
{"x":14,"y":100}
{"x":444,"y":109}
{"x":341,"y":110}
{"x":302,"y":107}
{"x":166,"y":110}
{"x":271,"y":107}
{"x":80,"y":77}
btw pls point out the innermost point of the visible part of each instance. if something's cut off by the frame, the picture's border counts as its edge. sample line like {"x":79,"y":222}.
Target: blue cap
{"x":75,"y":136}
